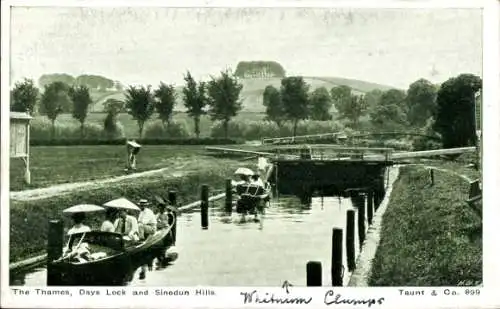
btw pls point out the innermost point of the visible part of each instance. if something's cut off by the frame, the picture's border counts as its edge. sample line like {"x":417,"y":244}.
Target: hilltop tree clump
{"x":47,"y":79}
{"x":93,"y":82}
{"x":259,"y":69}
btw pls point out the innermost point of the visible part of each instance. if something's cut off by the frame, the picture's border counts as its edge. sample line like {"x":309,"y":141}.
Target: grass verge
{"x":29,"y":219}
{"x":430,"y":236}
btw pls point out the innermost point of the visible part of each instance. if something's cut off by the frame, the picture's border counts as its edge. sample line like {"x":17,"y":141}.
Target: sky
{"x":148,"y":45}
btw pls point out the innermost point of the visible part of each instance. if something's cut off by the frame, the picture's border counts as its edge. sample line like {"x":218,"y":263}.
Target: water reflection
{"x":237,"y":250}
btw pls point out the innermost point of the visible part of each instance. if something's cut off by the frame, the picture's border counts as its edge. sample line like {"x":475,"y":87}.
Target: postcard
{"x":250,"y":154}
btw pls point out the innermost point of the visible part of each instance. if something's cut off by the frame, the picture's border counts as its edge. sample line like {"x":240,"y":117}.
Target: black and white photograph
{"x":280,"y":146}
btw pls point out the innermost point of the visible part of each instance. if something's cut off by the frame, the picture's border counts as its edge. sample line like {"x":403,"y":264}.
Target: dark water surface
{"x":236,"y":253}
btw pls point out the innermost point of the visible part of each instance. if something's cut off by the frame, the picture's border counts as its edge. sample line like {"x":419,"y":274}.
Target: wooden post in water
{"x":228,"y":206}
{"x":377,"y":198}
{"x":54,"y":250}
{"x":350,"y":240}
{"x":172,"y":200}
{"x":337,"y":267}
{"x":360,"y":201}
{"x":204,"y":207}
{"x":369,"y":207}
{"x":314,"y":273}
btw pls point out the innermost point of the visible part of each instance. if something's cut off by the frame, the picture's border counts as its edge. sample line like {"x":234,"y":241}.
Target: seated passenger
{"x":256,"y":180}
{"x":147,"y":220}
{"x":127,"y":225}
{"x":78,"y":227}
{"x":165,"y":217}
{"x":107,"y":225}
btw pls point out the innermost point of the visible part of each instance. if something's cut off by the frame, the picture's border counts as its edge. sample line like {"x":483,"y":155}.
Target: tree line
{"x":219,"y":98}
{"x":446,"y":110}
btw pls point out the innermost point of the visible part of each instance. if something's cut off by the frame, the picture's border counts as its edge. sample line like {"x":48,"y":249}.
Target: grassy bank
{"x":65,"y":164}
{"x":429,"y":237}
{"x":29,"y":220}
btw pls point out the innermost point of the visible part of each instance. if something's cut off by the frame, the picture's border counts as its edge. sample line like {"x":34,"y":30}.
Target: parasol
{"x":244,"y":171}
{"x":122,"y":203}
{"x":83,"y":208}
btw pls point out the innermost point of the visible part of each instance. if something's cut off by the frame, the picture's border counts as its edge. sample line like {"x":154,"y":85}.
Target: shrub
{"x":236,"y":129}
{"x":112,"y":128}
{"x":156,"y":130}
{"x":41,"y":129}
{"x":256,"y":130}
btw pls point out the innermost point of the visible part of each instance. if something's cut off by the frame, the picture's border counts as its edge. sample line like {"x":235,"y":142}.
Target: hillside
{"x":253,"y":90}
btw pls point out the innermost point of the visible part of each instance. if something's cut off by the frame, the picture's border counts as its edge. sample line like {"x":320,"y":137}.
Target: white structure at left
{"x":20,"y":140}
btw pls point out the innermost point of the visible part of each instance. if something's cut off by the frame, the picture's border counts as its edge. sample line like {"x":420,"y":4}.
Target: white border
{"x":230,"y":297}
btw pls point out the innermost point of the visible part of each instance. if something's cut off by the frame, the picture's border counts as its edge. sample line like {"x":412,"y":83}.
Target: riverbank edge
{"x":360,"y":276}
{"x":27,"y":228}
{"x":429,"y":236}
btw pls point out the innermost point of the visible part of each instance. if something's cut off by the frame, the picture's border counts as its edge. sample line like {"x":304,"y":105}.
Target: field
{"x":430,"y":236}
{"x":59,"y":164}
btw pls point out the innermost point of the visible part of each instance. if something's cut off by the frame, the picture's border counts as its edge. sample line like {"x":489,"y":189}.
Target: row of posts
{"x":314,"y":268}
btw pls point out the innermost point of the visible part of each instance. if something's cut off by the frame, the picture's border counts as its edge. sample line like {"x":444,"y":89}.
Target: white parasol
{"x":83,"y":208}
{"x":244,"y":171}
{"x":122,"y":203}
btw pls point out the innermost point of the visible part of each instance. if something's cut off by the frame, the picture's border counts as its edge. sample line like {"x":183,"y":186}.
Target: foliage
{"x":80,"y":97}
{"x":421,"y":101}
{"x":256,"y":130}
{"x":165,"y":96}
{"x":429,"y":236}
{"x":112,"y":128}
{"x":273,"y":104}
{"x":320,"y":104}
{"x":421,"y":143}
{"x":55,"y":100}
{"x":24,"y":97}
{"x":156,"y":130}
{"x":455,"y":118}
{"x":95,"y":82}
{"x":224,"y":98}
{"x":372,"y":99}
{"x":140,"y":103}
{"x":348,"y":105}
{"x":41,"y":130}
{"x":47,"y":79}
{"x":389,"y":114}
{"x":294,"y":96}
{"x":194,"y":95}
{"x":249,"y":69}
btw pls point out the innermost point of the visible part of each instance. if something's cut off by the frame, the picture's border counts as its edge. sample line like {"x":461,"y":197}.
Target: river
{"x":235,"y":253}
